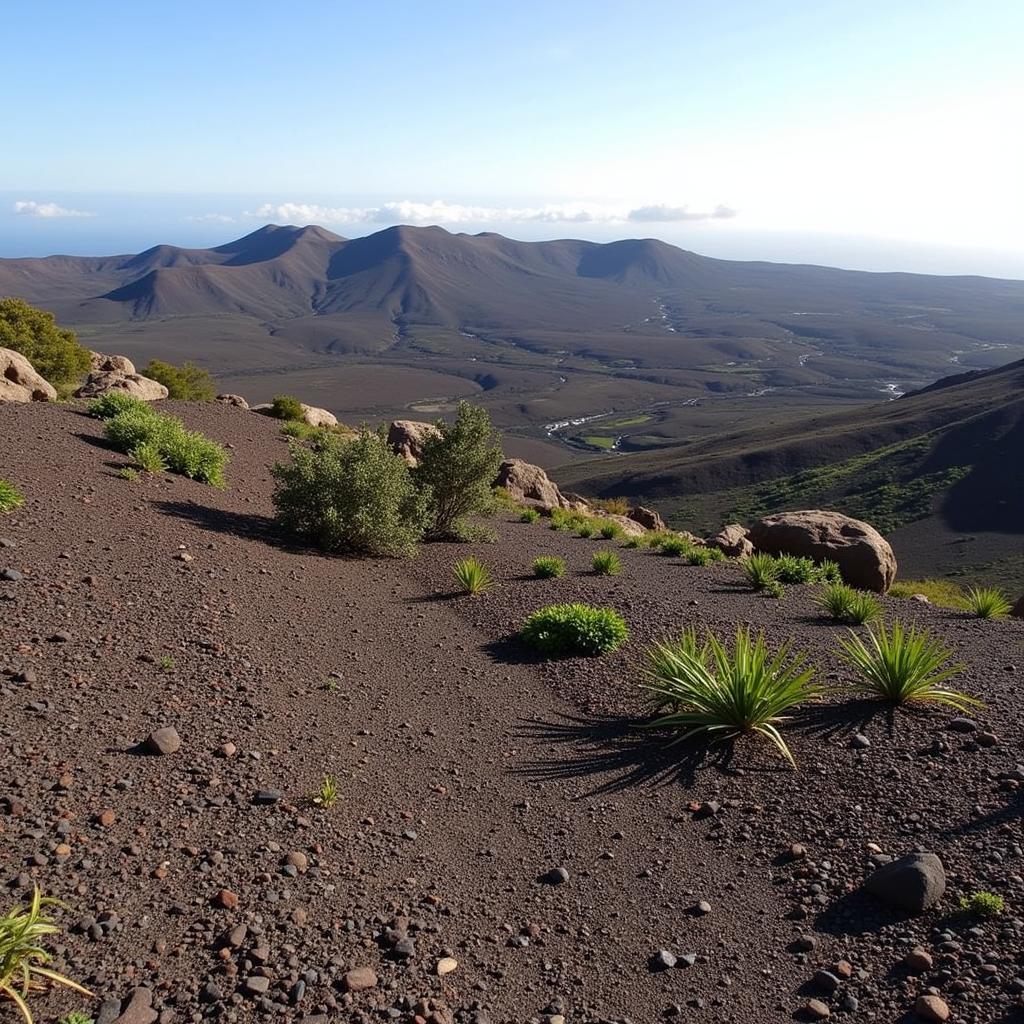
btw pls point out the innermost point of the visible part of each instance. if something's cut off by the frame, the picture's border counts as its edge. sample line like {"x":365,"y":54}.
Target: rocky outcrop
{"x":530,"y":485}
{"x":731,"y":540}
{"x":317,"y":417}
{"x":102,"y":363}
{"x":236,"y":400}
{"x":864,"y":556}
{"x":406,"y":437}
{"x":104,"y":382}
{"x":19,"y":381}
{"x":630,"y":527}
{"x":913,"y":883}
{"x":646,"y":517}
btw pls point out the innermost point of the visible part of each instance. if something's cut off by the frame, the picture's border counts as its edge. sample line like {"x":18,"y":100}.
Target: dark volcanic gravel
{"x":506,"y":845}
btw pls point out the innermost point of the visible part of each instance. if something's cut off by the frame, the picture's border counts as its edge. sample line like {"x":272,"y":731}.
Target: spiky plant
{"x":794,"y":569}
{"x":703,"y":556}
{"x":829,"y":572}
{"x":987,"y":603}
{"x":725,"y":694}
{"x":606,"y":563}
{"x":844,"y":604}
{"x":761,"y":569}
{"x":472,"y":576}
{"x":327,"y":795}
{"x":548,"y":567}
{"x":663,"y":659}
{"x":10,"y":497}
{"x":22,"y":958}
{"x":904,"y":665}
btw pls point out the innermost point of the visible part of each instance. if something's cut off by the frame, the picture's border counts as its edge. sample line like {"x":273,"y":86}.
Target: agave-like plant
{"x":987,"y":602}
{"x":710,"y":690}
{"x":903,"y":665}
{"x":472,"y":576}
{"x":22,"y":958}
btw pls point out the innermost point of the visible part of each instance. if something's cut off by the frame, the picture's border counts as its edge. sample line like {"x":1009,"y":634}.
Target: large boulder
{"x":862,"y":553}
{"x":530,"y":485}
{"x":647,"y":518}
{"x":317,"y":417}
{"x":103,"y":382}
{"x":731,"y":540}
{"x":406,"y":437}
{"x":102,"y":363}
{"x":1018,"y":609}
{"x":19,"y":381}
{"x":913,"y":883}
{"x":630,"y":527}
{"x":236,"y":400}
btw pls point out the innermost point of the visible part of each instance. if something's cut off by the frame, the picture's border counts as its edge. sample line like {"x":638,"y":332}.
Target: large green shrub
{"x":54,"y":351}
{"x":455,"y":470}
{"x":187,"y":382}
{"x":285,"y":407}
{"x":565,"y":629}
{"x":350,"y":496}
{"x":107,"y":406}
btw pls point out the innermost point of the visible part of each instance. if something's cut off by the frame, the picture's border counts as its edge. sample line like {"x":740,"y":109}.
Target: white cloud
{"x":440,"y":212}
{"x":47,"y":211}
{"x":211,"y":218}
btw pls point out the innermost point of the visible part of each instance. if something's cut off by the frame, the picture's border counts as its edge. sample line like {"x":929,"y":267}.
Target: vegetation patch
{"x":944,"y":593}
{"x":606,"y":563}
{"x":54,"y":352}
{"x":472,"y":576}
{"x":188,"y":382}
{"x":568,"y":629}
{"x":987,"y":603}
{"x":10,"y":497}
{"x":849,"y":606}
{"x":548,"y":567}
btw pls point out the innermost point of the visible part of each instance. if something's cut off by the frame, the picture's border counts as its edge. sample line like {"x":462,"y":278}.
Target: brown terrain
{"x":204,"y":882}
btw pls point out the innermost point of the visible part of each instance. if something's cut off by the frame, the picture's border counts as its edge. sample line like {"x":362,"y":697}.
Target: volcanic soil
{"x":207,"y":884}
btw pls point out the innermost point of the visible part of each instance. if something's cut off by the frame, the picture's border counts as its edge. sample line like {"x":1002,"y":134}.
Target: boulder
{"x":862,"y":553}
{"x":646,"y":517}
{"x":103,"y":382}
{"x":530,"y":485}
{"x":236,"y":400}
{"x":630,"y":527}
{"x":317,"y":417}
{"x":19,"y":381}
{"x":406,"y":437}
{"x":731,"y":540}
{"x":913,"y":883}
{"x":102,"y":363}
{"x":1018,"y":609}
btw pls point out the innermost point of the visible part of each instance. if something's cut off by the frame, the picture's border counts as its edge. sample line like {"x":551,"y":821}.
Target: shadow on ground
{"x":219,"y":520}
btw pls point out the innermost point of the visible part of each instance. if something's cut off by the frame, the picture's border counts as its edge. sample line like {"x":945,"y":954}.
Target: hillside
{"x":938,"y":469}
{"x":205,"y":883}
{"x":543,"y":333}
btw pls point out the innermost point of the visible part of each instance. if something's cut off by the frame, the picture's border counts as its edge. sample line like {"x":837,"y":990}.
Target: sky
{"x":876,"y":135}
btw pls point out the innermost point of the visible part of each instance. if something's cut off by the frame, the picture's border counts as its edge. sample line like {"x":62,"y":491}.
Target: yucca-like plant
{"x":548,"y":567}
{"x":904,"y":665}
{"x":987,"y":603}
{"x":606,"y":563}
{"x":760,"y":569}
{"x":10,"y":497}
{"x":664,"y":658}
{"x":23,"y":959}
{"x":844,"y":604}
{"x":472,"y":576}
{"x":712,"y":690}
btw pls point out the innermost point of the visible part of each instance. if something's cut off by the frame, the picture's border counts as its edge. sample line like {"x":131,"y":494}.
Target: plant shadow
{"x":247,"y":525}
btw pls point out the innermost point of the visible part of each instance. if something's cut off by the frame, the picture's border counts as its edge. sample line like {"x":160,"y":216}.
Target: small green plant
{"x":674,"y":545}
{"x":903,"y":665}
{"x":760,"y":570}
{"x":703,"y":556}
{"x":791,"y":569}
{"x":614,"y":506}
{"x":987,"y":603}
{"x":77,"y":1017}
{"x":22,"y":958}
{"x":585,"y":529}
{"x":10,"y":497}
{"x":606,"y":563}
{"x":611,"y":531}
{"x":844,"y":604}
{"x":166,"y":663}
{"x":286,"y":407}
{"x":327,"y":795}
{"x":567,"y":629}
{"x":298,"y":429}
{"x":529,"y":515}
{"x":128,"y":473}
{"x":548,"y":567}
{"x":330,"y":684}
{"x":640,"y":541}
{"x":983,"y":904}
{"x":187,"y":382}
{"x":472,"y":576}
{"x":148,"y":456}
{"x":113,"y":403}
{"x":774,"y":589}
{"x":829,"y":572}
{"x":710,"y":690}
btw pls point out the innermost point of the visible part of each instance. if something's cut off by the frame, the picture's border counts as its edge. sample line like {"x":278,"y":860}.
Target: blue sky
{"x":855,"y":133}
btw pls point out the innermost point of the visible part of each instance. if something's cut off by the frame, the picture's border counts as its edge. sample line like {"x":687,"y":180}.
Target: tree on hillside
{"x":456,"y":468}
{"x":187,"y":382}
{"x":54,"y":351}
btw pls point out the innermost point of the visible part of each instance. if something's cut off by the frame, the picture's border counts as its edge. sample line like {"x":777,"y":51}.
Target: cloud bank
{"x":440,"y":212}
{"x":46,"y":211}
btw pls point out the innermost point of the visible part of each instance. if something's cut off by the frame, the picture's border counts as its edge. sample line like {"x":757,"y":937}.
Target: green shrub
{"x":501,"y":499}
{"x":299,"y":429}
{"x":760,"y":569}
{"x":547,"y":567}
{"x":658,"y":537}
{"x":586,"y":529}
{"x":639,"y":541}
{"x":472,"y":576}
{"x":454,"y":473}
{"x":829,"y":572}
{"x":710,"y":690}
{"x":606,"y":563}
{"x":675,"y":545}
{"x":564,"y":520}
{"x":54,"y":352}
{"x":10,"y":497}
{"x":129,"y":474}
{"x":350,"y":496}
{"x":187,"y":382}
{"x":147,"y":454}
{"x":792,"y":569}
{"x":774,"y":588}
{"x":844,"y":604}
{"x":703,"y":556}
{"x":529,"y":515}
{"x":76,"y":1017}
{"x":286,"y":407}
{"x":987,"y":603}
{"x":983,"y":904}
{"x":903,"y":665}
{"x":611,"y":531}
{"x":566,"y":629}
{"x":113,"y":403}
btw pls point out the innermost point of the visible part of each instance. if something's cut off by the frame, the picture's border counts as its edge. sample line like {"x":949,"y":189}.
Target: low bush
{"x":149,"y":457}
{"x":54,"y":352}
{"x":606,"y":563}
{"x":853,"y":607}
{"x":286,"y":407}
{"x":472,"y":576}
{"x":10,"y":497}
{"x":829,"y":572}
{"x":547,"y":567}
{"x":703,"y":556}
{"x":567,"y":629}
{"x":529,"y":515}
{"x":611,"y":531}
{"x":640,"y":541}
{"x":674,"y":545}
{"x":793,"y":569}
{"x":903,"y":665}
{"x":655,"y":538}
{"x":187,"y":383}
{"x":983,"y":904}
{"x":774,"y":588}
{"x":709,"y":689}
{"x":987,"y":603}
{"x":113,"y":403}
{"x":760,"y":570}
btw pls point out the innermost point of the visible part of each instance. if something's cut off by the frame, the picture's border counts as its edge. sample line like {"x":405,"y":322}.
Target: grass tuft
{"x":327,"y":795}
{"x":795,"y":570}
{"x":548,"y":567}
{"x":10,"y":497}
{"x":472,"y":576}
{"x":529,"y":515}
{"x":853,"y":607}
{"x":943,"y":593}
{"x":606,"y":563}
{"x":987,"y":603}
{"x":760,"y":570}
